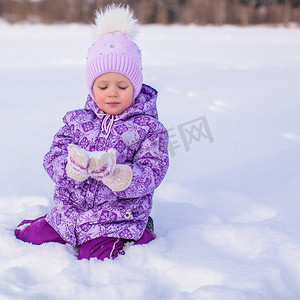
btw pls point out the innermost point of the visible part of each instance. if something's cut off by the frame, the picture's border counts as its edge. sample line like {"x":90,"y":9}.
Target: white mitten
{"x":101,"y":165}
{"x":77,"y":163}
{"x":121,"y":178}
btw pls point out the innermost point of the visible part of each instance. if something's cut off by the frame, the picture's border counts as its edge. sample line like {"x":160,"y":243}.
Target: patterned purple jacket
{"x":89,"y":209}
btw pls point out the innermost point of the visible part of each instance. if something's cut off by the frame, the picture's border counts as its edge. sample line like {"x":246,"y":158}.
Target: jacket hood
{"x":144,"y":104}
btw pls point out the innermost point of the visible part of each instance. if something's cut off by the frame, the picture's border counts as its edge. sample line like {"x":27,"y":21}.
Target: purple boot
{"x":37,"y":232}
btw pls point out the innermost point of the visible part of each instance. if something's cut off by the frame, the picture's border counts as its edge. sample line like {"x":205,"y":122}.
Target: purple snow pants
{"x":38,"y":231}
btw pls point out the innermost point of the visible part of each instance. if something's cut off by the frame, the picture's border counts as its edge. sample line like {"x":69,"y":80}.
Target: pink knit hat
{"x":114,"y":50}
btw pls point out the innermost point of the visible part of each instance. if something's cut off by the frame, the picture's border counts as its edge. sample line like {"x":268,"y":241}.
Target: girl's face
{"x":113,"y":93}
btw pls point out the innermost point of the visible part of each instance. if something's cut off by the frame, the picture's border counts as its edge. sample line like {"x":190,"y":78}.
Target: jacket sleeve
{"x":56,"y":159}
{"x":150,"y":164}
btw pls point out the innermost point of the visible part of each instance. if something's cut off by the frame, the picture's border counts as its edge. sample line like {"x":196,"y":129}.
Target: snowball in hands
{"x":100,"y":165}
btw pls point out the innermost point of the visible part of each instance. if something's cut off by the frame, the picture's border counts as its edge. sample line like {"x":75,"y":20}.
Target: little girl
{"x":109,"y":157}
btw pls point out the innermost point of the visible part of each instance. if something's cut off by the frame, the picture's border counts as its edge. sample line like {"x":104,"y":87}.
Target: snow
{"x":227,"y":214}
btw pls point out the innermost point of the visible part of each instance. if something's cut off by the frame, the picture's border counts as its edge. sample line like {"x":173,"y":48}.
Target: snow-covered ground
{"x":227,"y":216}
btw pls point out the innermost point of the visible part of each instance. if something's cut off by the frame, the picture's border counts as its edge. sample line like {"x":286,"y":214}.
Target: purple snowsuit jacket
{"x":86,"y":210}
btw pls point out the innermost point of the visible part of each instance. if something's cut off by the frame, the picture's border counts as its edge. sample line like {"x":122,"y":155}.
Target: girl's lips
{"x":113,"y":103}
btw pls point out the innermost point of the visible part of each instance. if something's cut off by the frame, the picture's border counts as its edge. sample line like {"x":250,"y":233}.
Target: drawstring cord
{"x":106,"y":126}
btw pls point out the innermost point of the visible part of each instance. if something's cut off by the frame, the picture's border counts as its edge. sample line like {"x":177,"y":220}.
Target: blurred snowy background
{"x":227,"y":216}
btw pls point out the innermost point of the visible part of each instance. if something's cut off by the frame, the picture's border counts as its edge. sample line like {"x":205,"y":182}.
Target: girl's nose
{"x":113,"y":92}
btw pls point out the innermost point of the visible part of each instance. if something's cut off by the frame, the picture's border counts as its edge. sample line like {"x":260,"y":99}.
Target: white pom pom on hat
{"x":115,"y":18}
{"x":114,"y":50}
